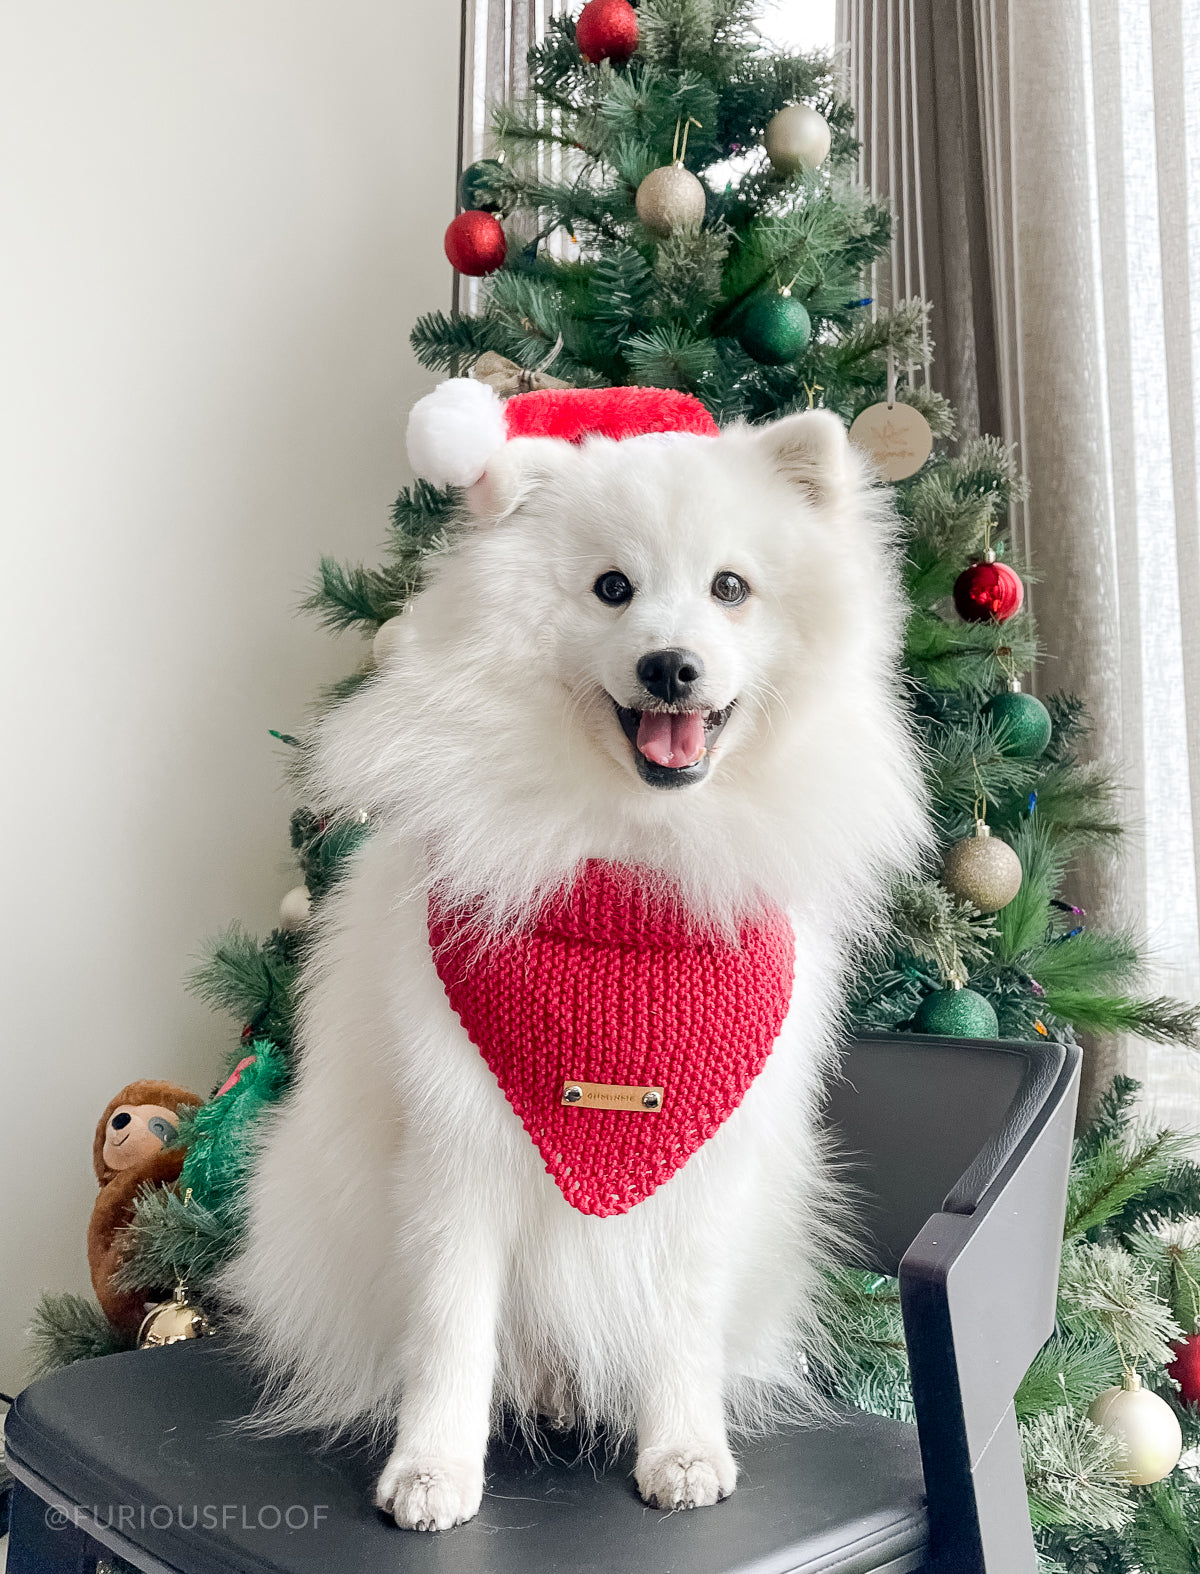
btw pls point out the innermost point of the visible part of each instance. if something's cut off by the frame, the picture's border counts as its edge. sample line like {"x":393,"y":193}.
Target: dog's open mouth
{"x":672,"y":748}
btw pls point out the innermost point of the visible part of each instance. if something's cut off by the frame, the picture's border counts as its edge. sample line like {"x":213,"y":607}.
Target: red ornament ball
{"x":1185,"y":1369}
{"x":475,"y":243}
{"x":988,"y":592}
{"x":607,"y":30}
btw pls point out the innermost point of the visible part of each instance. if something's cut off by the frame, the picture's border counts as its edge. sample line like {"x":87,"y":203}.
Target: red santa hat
{"x":455,"y":430}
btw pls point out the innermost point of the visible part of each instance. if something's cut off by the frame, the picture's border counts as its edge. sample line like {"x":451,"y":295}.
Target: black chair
{"x":961,"y":1150}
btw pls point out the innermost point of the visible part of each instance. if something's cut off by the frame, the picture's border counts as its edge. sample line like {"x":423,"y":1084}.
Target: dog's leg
{"x":434,"y":1476}
{"x":683,"y":1459}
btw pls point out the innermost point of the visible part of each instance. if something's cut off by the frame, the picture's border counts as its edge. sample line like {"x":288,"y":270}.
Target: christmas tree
{"x":632,"y":228}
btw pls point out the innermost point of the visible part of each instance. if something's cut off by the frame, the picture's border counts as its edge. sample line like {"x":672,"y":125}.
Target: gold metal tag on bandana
{"x":612,"y":1095}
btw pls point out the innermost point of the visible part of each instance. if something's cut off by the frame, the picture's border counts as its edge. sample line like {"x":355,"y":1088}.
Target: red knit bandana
{"x":611,"y":988}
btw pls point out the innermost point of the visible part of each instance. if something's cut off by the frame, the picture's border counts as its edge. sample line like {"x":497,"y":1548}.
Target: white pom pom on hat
{"x":454,"y":431}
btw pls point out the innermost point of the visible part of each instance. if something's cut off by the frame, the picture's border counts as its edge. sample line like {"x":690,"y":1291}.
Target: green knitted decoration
{"x":220,"y":1136}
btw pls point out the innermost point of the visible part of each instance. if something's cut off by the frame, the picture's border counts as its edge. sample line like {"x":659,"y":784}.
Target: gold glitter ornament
{"x":173,"y":1321}
{"x":982,"y":870}
{"x":670,"y":199}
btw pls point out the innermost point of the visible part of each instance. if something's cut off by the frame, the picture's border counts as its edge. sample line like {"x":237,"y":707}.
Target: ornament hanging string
{"x":980,"y":806}
{"x":891,"y":378}
{"x":678,"y":154}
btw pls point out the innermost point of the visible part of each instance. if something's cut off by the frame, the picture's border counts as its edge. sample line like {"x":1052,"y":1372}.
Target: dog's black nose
{"x":119,"y":1122}
{"x":670,"y":675}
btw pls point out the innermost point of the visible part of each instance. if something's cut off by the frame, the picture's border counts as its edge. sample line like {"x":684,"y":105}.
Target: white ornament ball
{"x":387,"y":638}
{"x":1144,"y":1425}
{"x":797,"y":138}
{"x":295,"y":908}
{"x":670,"y":199}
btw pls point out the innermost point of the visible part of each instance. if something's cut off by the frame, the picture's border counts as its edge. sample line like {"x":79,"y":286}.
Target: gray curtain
{"x":496,"y":37}
{"x":1042,"y":161}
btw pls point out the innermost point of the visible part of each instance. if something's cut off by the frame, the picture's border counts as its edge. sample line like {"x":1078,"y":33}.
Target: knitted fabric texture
{"x":612,"y":986}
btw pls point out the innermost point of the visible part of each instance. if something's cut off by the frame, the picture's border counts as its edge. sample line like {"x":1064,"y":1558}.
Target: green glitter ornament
{"x":1021,"y":723}
{"x":477,"y":183}
{"x":957,"y":1013}
{"x":774,"y":329}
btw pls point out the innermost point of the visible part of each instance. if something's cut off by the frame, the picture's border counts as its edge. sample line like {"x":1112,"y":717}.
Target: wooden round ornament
{"x":895,"y":436}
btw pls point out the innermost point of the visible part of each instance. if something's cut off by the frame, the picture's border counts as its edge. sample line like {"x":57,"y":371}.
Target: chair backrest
{"x":922,"y":1125}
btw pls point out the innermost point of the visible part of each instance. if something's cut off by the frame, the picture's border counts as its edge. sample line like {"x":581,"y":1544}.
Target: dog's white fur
{"x":407,"y":1260}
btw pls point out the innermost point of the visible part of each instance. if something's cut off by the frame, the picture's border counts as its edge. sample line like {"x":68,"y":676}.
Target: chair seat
{"x":150,"y":1430}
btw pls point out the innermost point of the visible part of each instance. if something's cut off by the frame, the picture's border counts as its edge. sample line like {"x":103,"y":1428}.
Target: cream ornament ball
{"x":670,"y":199}
{"x":387,"y":639}
{"x":1144,"y":1425}
{"x":797,"y":138}
{"x":295,"y":909}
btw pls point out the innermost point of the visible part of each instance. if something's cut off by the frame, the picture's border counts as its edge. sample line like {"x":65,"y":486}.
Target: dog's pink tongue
{"x":670,"y":738}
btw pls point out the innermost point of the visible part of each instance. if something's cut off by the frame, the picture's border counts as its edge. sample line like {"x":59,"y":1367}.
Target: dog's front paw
{"x":685,"y":1477}
{"x":429,"y":1494}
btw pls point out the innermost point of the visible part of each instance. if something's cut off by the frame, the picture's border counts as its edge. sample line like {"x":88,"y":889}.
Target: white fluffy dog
{"x":720,"y":616}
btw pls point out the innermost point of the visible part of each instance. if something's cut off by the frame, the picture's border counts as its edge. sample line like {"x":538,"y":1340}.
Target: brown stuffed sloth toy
{"x":127,"y":1154}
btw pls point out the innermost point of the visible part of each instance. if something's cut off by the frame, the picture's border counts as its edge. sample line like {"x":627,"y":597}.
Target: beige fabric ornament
{"x":982,"y":870}
{"x":507,"y":378}
{"x":797,"y":138}
{"x":174,"y":1320}
{"x":1144,"y":1425}
{"x":670,"y":199}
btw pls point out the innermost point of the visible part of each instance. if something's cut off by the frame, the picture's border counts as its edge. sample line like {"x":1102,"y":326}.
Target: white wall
{"x":226,"y":216}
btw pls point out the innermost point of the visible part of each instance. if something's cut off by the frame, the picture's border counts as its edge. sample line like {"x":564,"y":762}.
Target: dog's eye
{"x":613,"y":589}
{"x":731,"y":589}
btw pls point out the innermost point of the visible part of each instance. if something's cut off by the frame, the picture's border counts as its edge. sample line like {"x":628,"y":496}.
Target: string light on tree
{"x":607,"y":30}
{"x":797,"y":138}
{"x":1145,"y":1427}
{"x":775,"y":328}
{"x":475,"y":243}
{"x":671,"y":199}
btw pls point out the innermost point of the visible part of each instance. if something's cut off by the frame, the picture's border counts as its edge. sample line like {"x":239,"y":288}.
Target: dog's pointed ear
{"x":513,"y":472}
{"x":812,"y":452}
